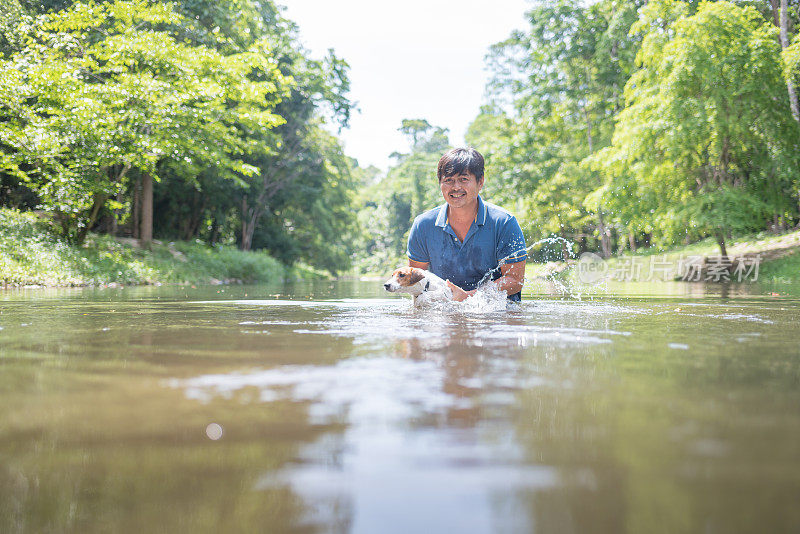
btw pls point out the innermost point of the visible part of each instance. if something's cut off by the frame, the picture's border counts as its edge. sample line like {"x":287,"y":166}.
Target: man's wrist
{"x":505,"y":283}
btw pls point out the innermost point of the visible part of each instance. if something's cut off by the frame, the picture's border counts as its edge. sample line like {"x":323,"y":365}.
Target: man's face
{"x":460,"y":190}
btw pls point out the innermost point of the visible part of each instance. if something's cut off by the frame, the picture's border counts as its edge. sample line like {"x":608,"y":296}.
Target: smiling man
{"x":466,"y":239}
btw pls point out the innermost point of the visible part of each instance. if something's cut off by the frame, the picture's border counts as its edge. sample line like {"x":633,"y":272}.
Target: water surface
{"x":336,"y":407}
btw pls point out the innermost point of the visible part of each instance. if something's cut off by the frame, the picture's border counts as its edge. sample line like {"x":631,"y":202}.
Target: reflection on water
{"x":331,"y":408}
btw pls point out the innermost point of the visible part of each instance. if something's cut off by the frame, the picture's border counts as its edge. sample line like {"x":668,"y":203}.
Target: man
{"x":467,"y":240}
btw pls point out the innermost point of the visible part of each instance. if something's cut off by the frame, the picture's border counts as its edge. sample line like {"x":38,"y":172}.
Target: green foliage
{"x":706,"y":143}
{"x":700,"y":142}
{"x":11,"y":14}
{"x":556,"y":87}
{"x":424,"y":137}
{"x":494,"y":133}
{"x":390,"y":205}
{"x":218,"y":102}
{"x":226,"y":263}
{"x":296,"y":204}
{"x":313,"y":219}
{"x":102,"y":89}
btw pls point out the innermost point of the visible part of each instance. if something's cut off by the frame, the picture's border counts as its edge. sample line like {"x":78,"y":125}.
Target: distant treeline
{"x":181,"y":120}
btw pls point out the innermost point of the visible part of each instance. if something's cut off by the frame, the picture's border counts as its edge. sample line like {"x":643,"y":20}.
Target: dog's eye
{"x":401,"y":275}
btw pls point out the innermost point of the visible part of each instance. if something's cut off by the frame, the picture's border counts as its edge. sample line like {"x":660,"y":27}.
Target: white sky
{"x":412,"y":59}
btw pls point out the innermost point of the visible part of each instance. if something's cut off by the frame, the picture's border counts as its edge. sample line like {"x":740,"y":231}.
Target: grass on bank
{"x":783,"y":270}
{"x":31,"y":255}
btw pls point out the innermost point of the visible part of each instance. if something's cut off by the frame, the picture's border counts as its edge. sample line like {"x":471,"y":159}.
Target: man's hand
{"x":458,"y":293}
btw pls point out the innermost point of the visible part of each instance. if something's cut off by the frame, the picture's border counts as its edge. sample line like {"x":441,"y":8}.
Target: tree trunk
{"x":99,"y":200}
{"x":250,"y":218}
{"x":136,"y":208}
{"x":247,"y":231}
{"x":214,"y":232}
{"x":197,"y":217}
{"x":720,"y":235}
{"x":785,"y":44}
{"x":589,"y":139}
{"x":605,"y":246}
{"x":115,"y":218}
{"x":632,"y":240}
{"x":774,"y":5}
{"x":146,"y":229}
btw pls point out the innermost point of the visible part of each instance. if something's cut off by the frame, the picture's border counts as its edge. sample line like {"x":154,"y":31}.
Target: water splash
{"x":562,"y":285}
{"x":487,"y":299}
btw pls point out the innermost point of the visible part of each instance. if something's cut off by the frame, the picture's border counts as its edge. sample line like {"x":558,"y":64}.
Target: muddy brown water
{"x":335,"y":407}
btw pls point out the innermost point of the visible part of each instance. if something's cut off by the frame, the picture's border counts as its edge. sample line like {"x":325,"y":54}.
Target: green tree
{"x":409,"y":188}
{"x":320,"y":86}
{"x":704,"y":142}
{"x":11,"y":15}
{"x":265,"y":209}
{"x":100,"y":90}
{"x":313,"y":220}
{"x":556,"y":87}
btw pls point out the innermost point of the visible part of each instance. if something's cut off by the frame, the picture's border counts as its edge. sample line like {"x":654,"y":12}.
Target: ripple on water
{"x":534,"y":335}
{"x":270,"y":323}
{"x":478,"y":323}
{"x":743,"y":317}
{"x":364,"y":387}
{"x":678,"y":346}
{"x":752,"y":318}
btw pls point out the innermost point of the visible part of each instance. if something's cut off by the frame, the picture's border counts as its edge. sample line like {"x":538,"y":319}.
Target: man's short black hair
{"x":458,"y":160}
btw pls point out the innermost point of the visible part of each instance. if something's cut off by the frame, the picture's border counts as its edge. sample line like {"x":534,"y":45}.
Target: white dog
{"x":423,"y":285}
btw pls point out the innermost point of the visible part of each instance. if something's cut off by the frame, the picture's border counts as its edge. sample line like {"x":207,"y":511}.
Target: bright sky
{"x":413,"y":59}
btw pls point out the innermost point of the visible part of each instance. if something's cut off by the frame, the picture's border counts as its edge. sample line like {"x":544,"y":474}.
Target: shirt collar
{"x":480,"y":217}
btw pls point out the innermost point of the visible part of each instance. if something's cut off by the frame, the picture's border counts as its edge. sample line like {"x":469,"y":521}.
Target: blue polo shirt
{"x":494,"y":235}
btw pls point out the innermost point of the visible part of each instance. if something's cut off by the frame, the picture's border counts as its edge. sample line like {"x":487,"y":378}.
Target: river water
{"x":336,"y":407}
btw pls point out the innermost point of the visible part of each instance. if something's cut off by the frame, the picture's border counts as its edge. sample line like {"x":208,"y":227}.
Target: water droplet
{"x":214,"y":431}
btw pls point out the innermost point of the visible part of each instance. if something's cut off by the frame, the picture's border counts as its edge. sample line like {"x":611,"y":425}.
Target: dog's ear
{"x":415,"y":276}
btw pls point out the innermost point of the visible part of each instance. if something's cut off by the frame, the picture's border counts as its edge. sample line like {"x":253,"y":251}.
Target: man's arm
{"x":513,"y":277}
{"x":511,"y":281}
{"x":418,"y":264}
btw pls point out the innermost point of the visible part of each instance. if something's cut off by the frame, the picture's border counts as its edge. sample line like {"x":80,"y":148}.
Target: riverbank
{"x":31,"y":255}
{"x":769,"y":258}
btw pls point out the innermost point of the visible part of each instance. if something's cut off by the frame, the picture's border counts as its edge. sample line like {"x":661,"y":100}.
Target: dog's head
{"x":403,"y":279}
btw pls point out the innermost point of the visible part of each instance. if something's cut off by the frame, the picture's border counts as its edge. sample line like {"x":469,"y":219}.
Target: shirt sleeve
{"x":511,"y":243}
{"x":417,"y":246}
